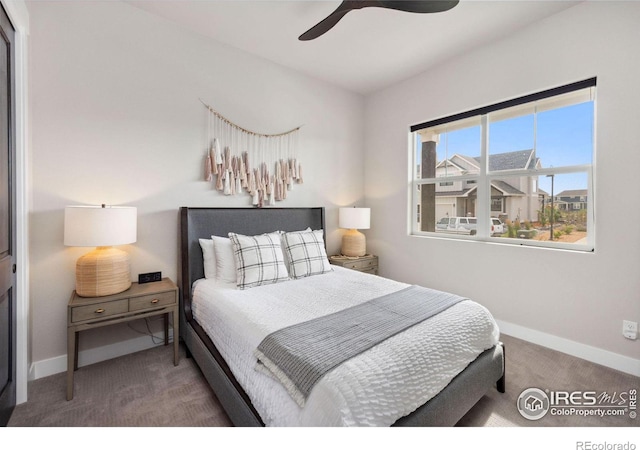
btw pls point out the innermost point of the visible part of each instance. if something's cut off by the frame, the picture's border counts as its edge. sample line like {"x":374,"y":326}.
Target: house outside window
{"x":526,"y":161}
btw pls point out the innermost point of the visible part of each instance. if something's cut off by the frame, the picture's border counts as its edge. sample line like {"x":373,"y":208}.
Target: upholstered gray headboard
{"x":202,"y":223}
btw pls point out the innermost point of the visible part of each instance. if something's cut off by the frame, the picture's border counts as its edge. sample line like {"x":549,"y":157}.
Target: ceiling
{"x":368,"y":49}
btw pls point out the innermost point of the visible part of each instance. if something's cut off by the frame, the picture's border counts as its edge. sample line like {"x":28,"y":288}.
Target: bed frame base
{"x":464,"y":391}
{"x":233,"y":400}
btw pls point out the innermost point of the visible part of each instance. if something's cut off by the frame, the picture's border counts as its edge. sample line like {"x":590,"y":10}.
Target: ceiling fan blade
{"x":332,"y":19}
{"x":323,"y":26}
{"x":415,"y":6}
{"x":425,"y":6}
{"x":326,"y":24}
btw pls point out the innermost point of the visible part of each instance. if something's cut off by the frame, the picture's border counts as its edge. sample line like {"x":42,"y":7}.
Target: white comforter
{"x":375,"y":388}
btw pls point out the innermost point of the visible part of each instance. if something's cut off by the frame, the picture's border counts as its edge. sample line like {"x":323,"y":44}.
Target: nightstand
{"x":137,"y":302}
{"x":366,"y":263}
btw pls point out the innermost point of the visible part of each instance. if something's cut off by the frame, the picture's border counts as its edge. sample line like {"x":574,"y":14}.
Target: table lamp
{"x":105,"y":270}
{"x":353,"y":242}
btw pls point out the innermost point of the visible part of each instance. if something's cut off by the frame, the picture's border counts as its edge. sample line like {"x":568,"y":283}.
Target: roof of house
{"x":522,"y":159}
{"x":503,"y":186}
{"x":518,"y":160}
{"x":573,"y":193}
{"x":506,"y":187}
{"x":466,"y":162}
{"x":445,"y":163}
{"x":462,"y":193}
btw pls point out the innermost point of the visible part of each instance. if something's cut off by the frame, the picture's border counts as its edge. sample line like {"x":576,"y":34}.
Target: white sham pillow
{"x":225,"y":260}
{"x":208,"y":258}
{"x":259,"y":260}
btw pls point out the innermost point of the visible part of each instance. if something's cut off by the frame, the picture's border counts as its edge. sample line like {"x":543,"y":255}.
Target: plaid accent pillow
{"x":259,"y":260}
{"x":306,"y":254}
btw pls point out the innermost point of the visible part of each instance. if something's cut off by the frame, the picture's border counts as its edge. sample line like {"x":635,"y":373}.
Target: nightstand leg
{"x":71,"y":360}
{"x":166,"y":328}
{"x":76,"y":339}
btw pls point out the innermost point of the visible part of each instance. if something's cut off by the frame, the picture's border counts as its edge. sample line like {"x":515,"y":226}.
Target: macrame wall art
{"x":237,"y":161}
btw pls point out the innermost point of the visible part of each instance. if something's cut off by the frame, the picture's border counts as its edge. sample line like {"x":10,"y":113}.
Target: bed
{"x":245,"y":401}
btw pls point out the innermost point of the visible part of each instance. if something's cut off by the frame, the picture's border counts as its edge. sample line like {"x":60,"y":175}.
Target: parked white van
{"x":467,"y":225}
{"x":457,"y":225}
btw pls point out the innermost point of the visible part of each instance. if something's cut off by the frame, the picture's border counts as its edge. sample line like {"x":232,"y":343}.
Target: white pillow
{"x":306,"y":254}
{"x":259,"y":259}
{"x":225,"y":261}
{"x":208,"y":258}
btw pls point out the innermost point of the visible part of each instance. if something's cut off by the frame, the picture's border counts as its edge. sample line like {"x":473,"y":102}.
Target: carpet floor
{"x":145,"y":389}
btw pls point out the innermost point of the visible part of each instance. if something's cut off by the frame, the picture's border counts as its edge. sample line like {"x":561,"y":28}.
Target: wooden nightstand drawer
{"x":352,"y":265}
{"x":367,"y":264}
{"x":99,"y":310}
{"x":149,"y":301}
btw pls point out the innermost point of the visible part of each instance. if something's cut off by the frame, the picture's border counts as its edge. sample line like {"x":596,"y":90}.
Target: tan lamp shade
{"x":354,"y":243}
{"x":105,"y":270}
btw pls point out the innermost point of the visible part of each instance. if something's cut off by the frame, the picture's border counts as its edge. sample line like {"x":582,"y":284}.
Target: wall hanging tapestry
{"x":238,"y":160}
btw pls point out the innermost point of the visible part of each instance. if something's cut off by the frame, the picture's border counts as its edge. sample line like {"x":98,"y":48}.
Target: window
{"x":527,"y":162}
{"x":497,"y":204}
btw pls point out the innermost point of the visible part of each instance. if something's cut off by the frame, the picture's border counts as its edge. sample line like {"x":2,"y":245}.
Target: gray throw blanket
{"x":300,"y":355}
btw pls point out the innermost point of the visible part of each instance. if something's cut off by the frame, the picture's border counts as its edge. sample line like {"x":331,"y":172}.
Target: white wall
{"x":116,"y":118}
{"x":571,"y":300}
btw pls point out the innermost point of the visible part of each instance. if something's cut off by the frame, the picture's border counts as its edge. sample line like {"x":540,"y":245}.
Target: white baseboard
{"x":52,"y":366}
{"x":593,"y":354}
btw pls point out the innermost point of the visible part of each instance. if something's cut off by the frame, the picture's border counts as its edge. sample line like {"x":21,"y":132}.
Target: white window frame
{"x":484,"y":178}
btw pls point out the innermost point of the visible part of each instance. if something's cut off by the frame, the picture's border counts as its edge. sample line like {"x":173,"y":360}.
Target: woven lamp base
{"x":104,"y":271}
{"x":354,"y":243}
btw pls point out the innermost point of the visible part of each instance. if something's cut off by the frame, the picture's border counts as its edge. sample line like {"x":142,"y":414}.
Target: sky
{"x":563,"y":137}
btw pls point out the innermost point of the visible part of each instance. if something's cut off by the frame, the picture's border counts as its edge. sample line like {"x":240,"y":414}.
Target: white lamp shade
{"x":354,"y":218}
{"x":96,"y":226}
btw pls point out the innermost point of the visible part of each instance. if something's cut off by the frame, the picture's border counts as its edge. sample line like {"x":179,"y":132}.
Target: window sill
{"x":511,"y":242}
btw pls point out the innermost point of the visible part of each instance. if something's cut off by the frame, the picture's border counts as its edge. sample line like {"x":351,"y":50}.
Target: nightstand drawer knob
{"x":99,"y":311}
{"x":155,"y":300}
